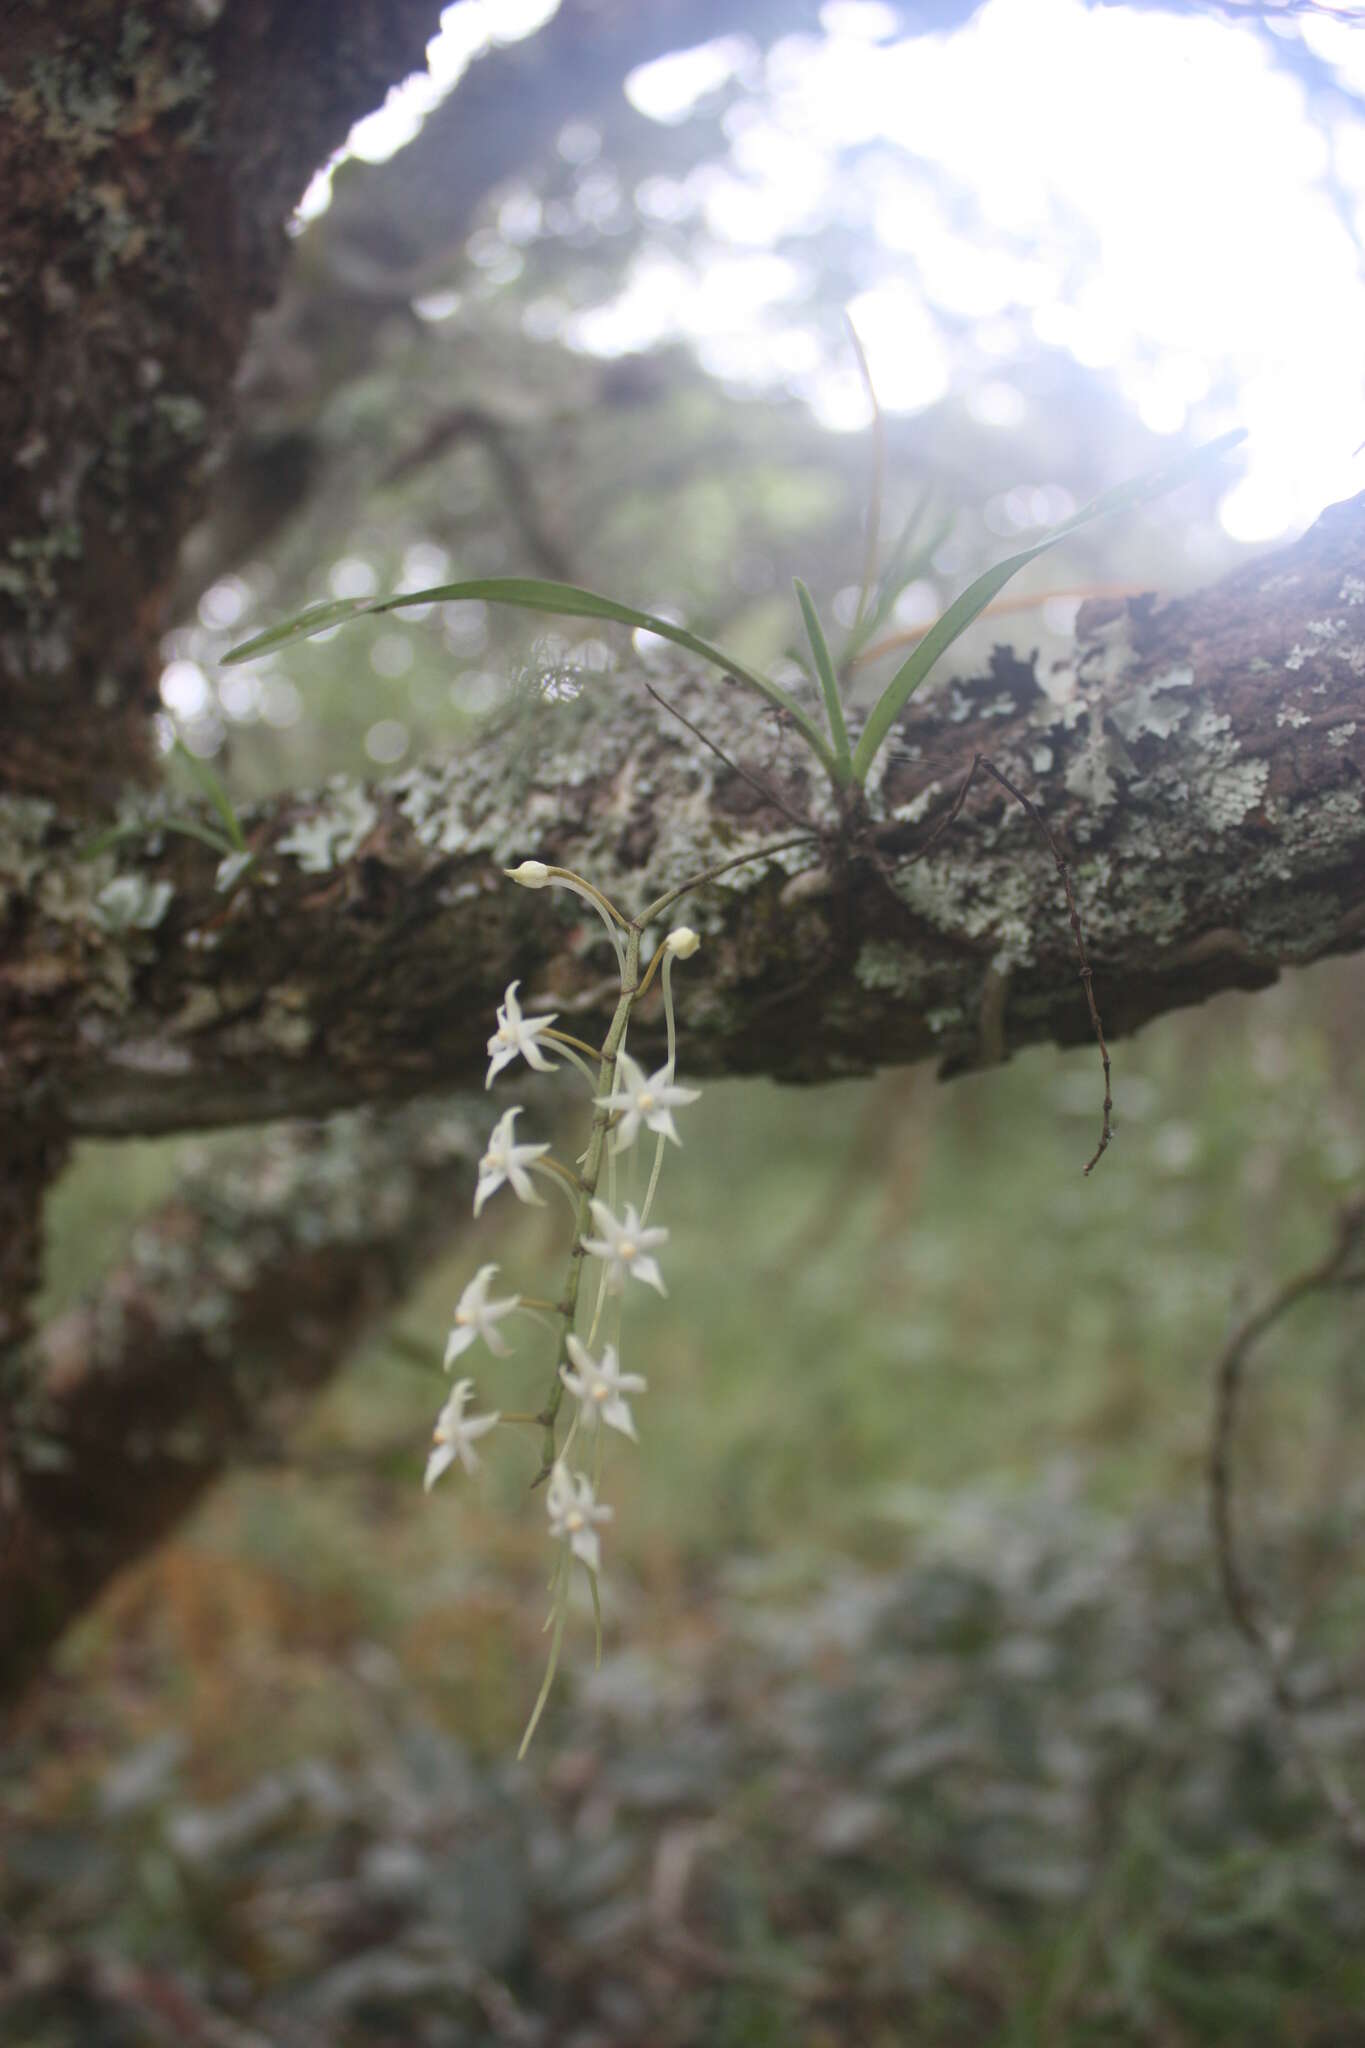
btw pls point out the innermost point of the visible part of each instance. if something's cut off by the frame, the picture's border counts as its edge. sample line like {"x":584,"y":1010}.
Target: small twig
{"x":723,"y":867}
{"x":515,"y":479}
{"x":768,"y":794}
{"x":1338,"y":1271}
{"x":980,"y":762}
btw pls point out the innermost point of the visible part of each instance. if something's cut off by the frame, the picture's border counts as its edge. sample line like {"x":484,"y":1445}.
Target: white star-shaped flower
{"x":505,"y":1161}
{"x":573,"y":1510}
{"x":601,"y":1386}
{"x":625,"y":1247}
{"x":475,"y":1316}
{"x":453,"y":1436}
{"x":645,"y":1099}
{"x":515,"y":1034}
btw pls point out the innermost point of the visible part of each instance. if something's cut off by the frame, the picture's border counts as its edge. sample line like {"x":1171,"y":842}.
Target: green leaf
{"x":534,"y":594}
{"x":212,"y":788}
{"x":317,"y":618}
{"x":117,"y":835}
{"x":829,"y":684}
{"x":908,"y":562}
{"x":978,"y":595}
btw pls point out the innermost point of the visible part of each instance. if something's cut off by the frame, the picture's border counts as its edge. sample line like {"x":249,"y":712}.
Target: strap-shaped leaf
{"x":534,"y":594}
{"x":910,"y":559}
{"x":213,"y":789}
{"x":978,"y":595}
{"x":829,"y":682}
{"x":146,"y":829}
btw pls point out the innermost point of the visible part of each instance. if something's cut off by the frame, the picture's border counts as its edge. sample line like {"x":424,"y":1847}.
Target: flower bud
{"x":682,"y":943}
{"x":532,"y":874}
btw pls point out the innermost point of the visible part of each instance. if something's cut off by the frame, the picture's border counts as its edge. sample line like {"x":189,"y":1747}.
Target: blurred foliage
{"x":424,"y":406}
{"x":919,"y":1719}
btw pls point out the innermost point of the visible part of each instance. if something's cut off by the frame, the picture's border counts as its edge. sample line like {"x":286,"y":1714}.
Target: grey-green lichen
{"x":182,"y":415}
{"x":82,"y":98}
{"x":1229,"y":790}
{"x":655,"y":820}
{"x":1153,"y":707}
{"x":24,"y":823}
{"x":30,"y":576}
{"x":333,"y":833}
{"x":884,"y":966}
{"x":286,"y":1022}
{"x":1319,"y":634}
{"x":949,"y":895}
{"x":132,"y":903}
{"x":944,"y":1018}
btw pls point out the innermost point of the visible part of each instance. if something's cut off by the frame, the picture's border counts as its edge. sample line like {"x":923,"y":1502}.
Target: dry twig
{"x":994,"y":1023}
{"x":1342,"y":1269}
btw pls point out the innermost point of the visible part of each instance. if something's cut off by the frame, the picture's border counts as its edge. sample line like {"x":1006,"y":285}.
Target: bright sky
{"x":1145,"y":190}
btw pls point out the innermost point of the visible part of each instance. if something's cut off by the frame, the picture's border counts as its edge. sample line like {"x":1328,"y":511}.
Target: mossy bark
{"x":1202,"y":761}
{"x":149,"y":159}
{"x":237,"y":1300}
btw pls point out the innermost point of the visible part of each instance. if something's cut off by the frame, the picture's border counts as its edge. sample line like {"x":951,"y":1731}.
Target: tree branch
{"x":238,"y":1299}
{"x":1342,"y":1269}
{"x":1203,"y":764}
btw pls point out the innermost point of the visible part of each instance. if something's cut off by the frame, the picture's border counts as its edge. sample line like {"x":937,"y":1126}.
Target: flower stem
{"x":579,"y":1044}
{"x":661,"y":903}
{"x":593,"y":894}
{"x":561,"y":1609}
{"x":588,"y":1179}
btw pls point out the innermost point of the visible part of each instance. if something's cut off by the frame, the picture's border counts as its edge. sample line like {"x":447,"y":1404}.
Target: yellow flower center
{"x":646,"y":1101}
{"x":628,"y":1248}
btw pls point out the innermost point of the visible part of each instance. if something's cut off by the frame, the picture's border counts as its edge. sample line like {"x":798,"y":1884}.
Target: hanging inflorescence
{"x":613,"y":1243}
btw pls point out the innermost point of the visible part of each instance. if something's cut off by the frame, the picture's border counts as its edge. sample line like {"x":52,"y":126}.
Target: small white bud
{"x":532,"y":874}
{"x":682,"y":943}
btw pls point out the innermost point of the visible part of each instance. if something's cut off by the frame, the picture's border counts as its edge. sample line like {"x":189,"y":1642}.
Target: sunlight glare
{"x":1148,"y":190}
{"x":468,"y":28}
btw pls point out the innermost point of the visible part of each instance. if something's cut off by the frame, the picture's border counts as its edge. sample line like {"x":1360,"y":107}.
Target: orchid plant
{"x":846,"y":761}
{"x":610,"y":1246}
{"x":617,"y":1246}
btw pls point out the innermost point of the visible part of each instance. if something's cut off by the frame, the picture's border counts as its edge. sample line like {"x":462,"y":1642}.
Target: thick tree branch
{"x":1204,"y":762}
{"x":149,"y":158}
{"x":237,"y":1300}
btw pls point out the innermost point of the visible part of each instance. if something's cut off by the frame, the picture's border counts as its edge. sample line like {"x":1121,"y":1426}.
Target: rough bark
{"x":237,"y":1300}
{"x":149,"y":157}
{"x":1203,"y":760}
